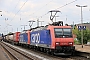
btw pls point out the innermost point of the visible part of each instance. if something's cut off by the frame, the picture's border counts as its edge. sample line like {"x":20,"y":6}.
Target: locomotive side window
{"x":63,"y":32}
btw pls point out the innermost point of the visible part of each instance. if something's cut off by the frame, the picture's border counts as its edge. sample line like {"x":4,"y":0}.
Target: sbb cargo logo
{"x":35,"y":38}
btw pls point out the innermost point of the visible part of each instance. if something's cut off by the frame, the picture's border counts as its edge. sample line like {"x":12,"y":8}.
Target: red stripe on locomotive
{"x":28,"y":34}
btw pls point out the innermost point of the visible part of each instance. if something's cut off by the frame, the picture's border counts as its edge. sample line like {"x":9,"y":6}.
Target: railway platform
{"x":3,"y":55}
{"x":86,"y":48}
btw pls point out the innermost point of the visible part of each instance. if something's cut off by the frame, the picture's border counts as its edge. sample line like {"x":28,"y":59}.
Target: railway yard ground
{"x":42,"y":56}
{"x":3,"y":54}
{"x":86,"y":48}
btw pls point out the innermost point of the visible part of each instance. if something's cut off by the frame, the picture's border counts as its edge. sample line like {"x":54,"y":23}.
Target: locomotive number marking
{"x":35,"y":38}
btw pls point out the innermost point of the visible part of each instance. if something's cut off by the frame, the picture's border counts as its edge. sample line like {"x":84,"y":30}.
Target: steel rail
{"x":9,"y":52}
{"x":18,"y":52}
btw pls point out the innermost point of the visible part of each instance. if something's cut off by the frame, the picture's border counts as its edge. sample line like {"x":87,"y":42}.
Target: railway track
{"x":82,"y":54}
{"x":15,"y":54}
{"x":78,"y":55}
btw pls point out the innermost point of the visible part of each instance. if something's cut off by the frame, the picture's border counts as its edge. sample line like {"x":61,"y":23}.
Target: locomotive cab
{"x":62,"y":39}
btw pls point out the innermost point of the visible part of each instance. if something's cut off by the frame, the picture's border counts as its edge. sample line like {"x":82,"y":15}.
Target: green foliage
{"x":86,"y":35}
{"x":89,"y":40}
{"x":76,"y":42}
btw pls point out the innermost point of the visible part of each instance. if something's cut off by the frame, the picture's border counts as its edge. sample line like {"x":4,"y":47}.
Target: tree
{"x":86,"y":35}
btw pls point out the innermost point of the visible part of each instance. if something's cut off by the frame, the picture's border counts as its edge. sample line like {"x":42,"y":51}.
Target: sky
{"x":17,"y":13}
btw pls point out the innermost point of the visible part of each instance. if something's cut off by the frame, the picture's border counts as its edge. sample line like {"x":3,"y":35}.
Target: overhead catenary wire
{"x":19,"y":9}
{"x":43,"y":15}
{"x":66,"y":4}
{"x":16,"y":5}
{"x":59,"y":7}
{"x":17,"y":12}
{"x":41,"y":7}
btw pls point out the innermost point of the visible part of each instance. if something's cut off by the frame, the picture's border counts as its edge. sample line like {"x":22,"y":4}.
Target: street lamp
{"x":81,"y":23}
{"x":31,"y":23}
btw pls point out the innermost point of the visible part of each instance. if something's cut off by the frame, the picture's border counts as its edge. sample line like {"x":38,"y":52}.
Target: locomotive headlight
{"x":57,"y":43}
{"x":70,"y":43}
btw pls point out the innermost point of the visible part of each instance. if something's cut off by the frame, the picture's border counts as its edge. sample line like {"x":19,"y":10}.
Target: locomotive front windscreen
{"x":63,"y":32}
